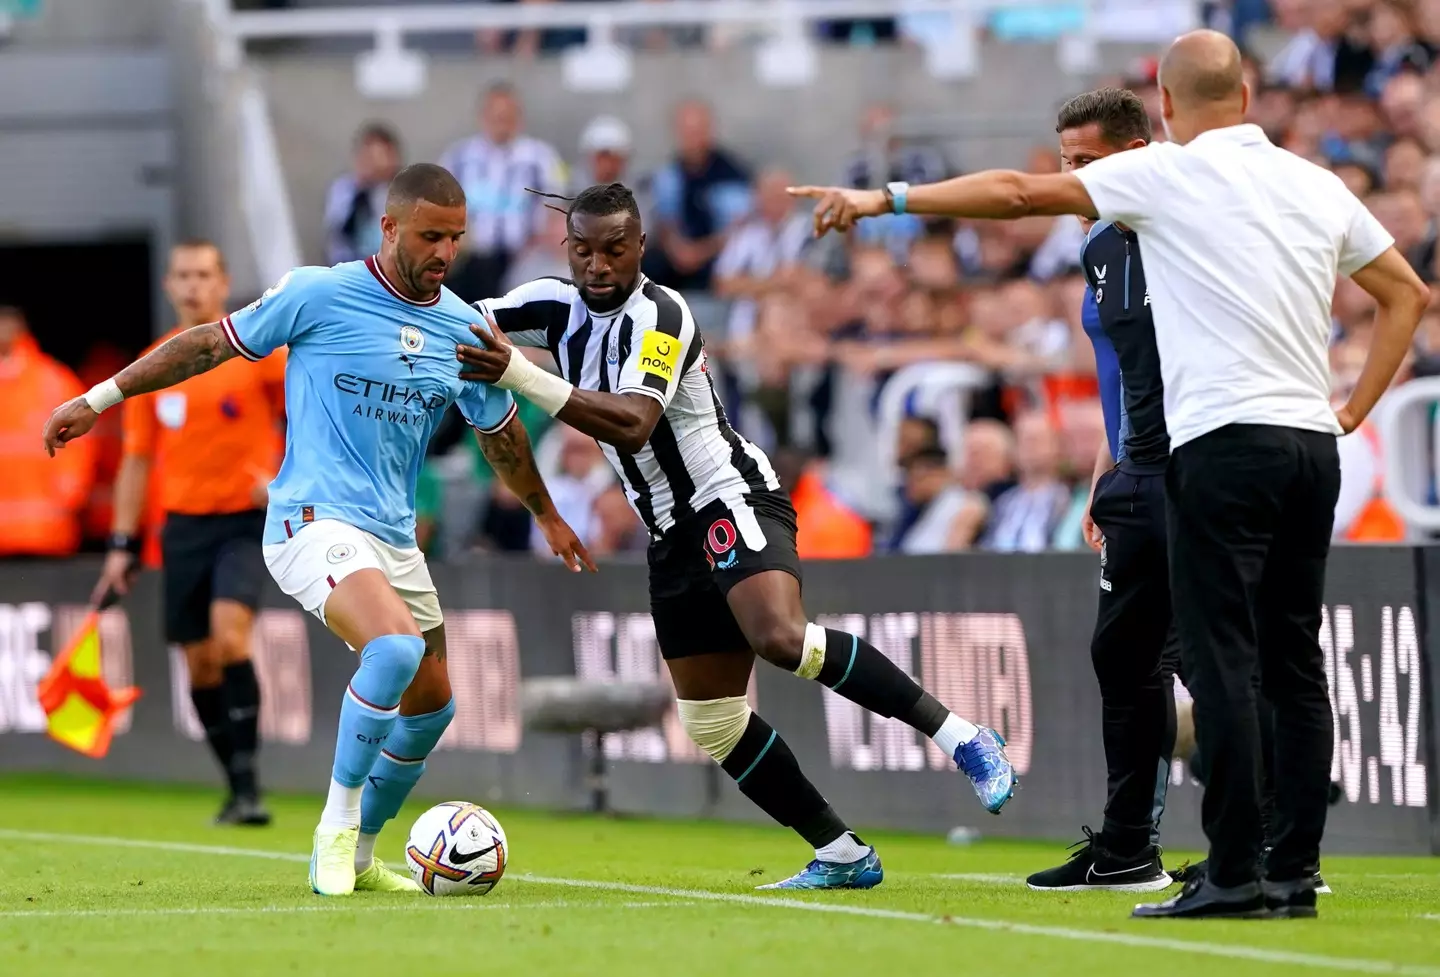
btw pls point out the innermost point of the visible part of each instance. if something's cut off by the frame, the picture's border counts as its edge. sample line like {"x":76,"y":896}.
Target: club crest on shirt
{"x":412,"y":340}
{"x":1099,"y":295}
{"x":170,"y":410}
{"x":612,"y":355}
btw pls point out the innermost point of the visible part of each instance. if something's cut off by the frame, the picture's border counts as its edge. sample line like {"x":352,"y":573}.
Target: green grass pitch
{"x":101,"y":879}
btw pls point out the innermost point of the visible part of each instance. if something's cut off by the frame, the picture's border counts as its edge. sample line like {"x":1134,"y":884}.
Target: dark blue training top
{"x":1107,"y":371}
{"x":1120,"y":326}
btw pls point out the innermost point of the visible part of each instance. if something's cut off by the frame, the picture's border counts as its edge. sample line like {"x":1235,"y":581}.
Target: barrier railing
{"x":436,"y":18}
{"x":949,"y":31}
{"x":1410,"y":445}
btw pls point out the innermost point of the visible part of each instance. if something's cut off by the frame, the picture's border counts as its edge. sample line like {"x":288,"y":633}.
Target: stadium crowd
{"x":794,"y":327}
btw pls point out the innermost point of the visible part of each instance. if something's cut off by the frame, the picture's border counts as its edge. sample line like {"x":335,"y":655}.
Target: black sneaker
{"x":246,"y":811}
{"x":1095,"y":868}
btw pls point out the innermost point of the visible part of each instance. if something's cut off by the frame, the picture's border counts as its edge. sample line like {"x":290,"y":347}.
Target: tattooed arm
{"x":192,"y":352}
{"x":508,"y":451}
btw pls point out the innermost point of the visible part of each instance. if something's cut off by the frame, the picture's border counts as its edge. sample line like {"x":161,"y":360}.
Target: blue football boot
{"x":863,"y":873}
{"x":983,"y":760}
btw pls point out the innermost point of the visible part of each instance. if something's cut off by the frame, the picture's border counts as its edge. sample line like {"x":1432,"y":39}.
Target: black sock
{"x":242,"y":701}
{"x":767,"y":773}
{"x":861,"y":673}
{"x":210,"y":707}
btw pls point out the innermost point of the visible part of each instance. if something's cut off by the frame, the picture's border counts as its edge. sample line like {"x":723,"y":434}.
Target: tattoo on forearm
{"x":503,"y":451}
{"x":508,"y":451}
{"x":192,"y":352}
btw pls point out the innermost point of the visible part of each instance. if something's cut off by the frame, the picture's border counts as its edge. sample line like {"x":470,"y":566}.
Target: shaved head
{"x":1202,"y":67}
{"x":423,"y":182}
{"x":1202,"y":85}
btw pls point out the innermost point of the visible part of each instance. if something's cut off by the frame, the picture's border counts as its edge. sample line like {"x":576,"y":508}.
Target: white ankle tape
{"x":715,"y":725}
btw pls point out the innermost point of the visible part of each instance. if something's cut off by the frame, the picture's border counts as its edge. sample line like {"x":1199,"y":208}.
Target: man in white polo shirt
{"x":1243,"y":242}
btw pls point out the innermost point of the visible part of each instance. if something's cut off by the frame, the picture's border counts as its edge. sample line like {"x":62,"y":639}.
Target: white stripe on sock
{"x":373,"y":710}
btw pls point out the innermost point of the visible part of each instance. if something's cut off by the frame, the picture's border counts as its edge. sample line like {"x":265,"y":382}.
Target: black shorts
{"x":209,"y":558}
{"x":1134,"y":620}
{"x":697,"y":562}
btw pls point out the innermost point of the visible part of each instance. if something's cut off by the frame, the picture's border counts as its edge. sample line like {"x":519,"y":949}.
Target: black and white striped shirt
{"x":648,"y":346}
{"x":502,"y":215}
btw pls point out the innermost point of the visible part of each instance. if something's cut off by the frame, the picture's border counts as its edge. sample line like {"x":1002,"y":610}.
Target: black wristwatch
{"x":120,"y":541}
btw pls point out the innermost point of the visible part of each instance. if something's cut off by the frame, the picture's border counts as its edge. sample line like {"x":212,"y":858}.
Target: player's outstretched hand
{"x":565,"y":544}
{"x":838,"y":208}
{"x":487,"y":361}
{"x":68,"y":421}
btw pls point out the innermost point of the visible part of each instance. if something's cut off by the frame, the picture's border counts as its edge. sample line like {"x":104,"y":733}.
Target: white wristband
{"x":542,"y":388}
{"x":103,"y":396}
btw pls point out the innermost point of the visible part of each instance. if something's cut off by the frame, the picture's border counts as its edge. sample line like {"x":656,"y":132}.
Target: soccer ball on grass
{"x":457,"y":849}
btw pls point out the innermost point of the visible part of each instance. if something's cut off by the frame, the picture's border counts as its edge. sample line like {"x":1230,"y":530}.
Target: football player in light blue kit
{"x":371,"y":370}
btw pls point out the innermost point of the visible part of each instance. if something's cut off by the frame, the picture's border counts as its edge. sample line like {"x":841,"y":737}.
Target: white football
{"x":457,"y":849}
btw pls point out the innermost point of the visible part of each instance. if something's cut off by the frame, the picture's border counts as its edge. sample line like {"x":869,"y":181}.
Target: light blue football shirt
{"x":370,"y":373}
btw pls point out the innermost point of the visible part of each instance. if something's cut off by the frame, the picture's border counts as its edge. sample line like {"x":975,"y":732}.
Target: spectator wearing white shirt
{"x":605,"y":147}
{"x":495,"y":167}
{"x":753,"y":263}
{"x":1243,"y":242}
{"x":356,"y":200}
{"x":1025,"y":517}
{"x":758,"y":249}
{"x":582,"y":476}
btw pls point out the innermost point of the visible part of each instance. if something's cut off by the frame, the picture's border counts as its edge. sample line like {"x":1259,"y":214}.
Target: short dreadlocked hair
{"x":600,"y":200}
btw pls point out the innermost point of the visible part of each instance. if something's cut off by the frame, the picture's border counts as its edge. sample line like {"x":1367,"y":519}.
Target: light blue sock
{"x":367,"y":715}
{"x":400,"y":765}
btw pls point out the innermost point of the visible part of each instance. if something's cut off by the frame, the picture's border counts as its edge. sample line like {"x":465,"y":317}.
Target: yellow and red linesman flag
{"x":80,"y":709}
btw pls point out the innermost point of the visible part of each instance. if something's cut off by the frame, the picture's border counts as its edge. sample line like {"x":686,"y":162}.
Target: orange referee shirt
{"x":212,"y":437}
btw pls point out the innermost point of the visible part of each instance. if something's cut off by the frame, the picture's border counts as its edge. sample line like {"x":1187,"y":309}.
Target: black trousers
{"x":1133,"y":631}
{"x":1250,"y":512}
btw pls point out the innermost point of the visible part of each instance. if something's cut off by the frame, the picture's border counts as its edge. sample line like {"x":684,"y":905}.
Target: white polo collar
{"x":1245,"y":134}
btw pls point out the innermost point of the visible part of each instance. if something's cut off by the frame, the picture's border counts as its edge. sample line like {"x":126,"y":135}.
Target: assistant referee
{"x":212,"y":443}
{"x":1243,"y":243}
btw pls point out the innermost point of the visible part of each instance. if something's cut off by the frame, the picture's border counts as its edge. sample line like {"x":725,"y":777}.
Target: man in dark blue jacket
{"x":1126,"y":524}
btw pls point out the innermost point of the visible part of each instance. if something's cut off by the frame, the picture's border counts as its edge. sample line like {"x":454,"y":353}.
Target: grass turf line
{"x":1372,"y":922}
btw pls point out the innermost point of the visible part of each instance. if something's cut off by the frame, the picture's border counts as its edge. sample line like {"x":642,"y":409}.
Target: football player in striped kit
{"x":724,"y":575}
